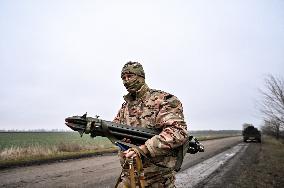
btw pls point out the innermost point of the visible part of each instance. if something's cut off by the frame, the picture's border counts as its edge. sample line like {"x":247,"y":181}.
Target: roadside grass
{"x":37,"y":151}
{"x":267,"y":168}
{"x":28,"y":147}
{"x":212,"y":137}
{"x":36,"y":159}
{"x":211,"y":134}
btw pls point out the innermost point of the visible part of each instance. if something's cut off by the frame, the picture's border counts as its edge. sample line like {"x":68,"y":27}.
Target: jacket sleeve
{"x":170,"y":118}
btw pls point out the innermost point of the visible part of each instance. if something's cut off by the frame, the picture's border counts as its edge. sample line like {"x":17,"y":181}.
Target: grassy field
{"x":28,"y":146}
{"x":46,"y":139}
{"x":24,"y":147}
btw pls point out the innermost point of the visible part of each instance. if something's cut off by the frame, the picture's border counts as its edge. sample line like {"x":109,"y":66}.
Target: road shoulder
{"x":261,"y":165}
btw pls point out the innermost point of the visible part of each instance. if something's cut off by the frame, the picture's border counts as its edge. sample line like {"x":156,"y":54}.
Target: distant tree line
{"x":271,"y":106}
{"x":34,"y":130}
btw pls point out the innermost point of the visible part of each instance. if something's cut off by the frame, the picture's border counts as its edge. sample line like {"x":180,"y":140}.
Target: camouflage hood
{"x":133,"y":68}
{"x":134,"y":83}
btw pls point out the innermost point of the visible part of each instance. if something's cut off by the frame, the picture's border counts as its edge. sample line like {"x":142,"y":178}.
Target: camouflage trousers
{"x":166,"y":181}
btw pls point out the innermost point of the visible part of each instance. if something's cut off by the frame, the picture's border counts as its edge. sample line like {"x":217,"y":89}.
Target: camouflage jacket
{"x":155,"y":109}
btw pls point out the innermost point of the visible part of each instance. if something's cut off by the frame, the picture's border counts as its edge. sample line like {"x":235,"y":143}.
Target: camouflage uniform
{"x":154,"y":109}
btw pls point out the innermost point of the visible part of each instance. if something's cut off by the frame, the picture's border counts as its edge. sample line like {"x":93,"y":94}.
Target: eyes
{"x":128,"y":76}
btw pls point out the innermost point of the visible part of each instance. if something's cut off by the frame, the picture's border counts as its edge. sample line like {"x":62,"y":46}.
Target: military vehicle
{"x":251,"y":133}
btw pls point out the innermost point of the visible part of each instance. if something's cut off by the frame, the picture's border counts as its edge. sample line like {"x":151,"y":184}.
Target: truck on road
{"x":251,"y":133}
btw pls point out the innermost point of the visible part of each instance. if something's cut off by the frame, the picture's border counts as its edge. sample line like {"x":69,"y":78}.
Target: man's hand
{"x":127,"y":140}
{"x":131,"y":154}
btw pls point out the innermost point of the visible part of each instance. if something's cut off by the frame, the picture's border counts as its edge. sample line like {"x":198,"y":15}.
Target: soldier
{"x":153,"y":109}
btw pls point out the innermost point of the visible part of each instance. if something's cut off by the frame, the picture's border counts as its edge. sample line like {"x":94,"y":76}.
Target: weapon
{"x":116,"y":132}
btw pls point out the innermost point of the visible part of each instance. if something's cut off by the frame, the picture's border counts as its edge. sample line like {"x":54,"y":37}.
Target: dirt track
{"x":100,"y":171}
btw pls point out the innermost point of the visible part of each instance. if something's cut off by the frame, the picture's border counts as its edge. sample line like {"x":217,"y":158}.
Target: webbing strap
{"x":139,"y":170}
{"x":131,"y":173}
{"x":135,"y":170}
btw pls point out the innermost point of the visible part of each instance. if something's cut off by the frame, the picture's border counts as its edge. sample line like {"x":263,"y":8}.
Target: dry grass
{"x":270,"y":166}
{"x":14,"y":153}
{"x":37,"y":151}
{"x":75,"y":147}
{"x":72,"y":147}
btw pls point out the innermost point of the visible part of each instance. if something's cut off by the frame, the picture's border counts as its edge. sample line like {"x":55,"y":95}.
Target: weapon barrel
{"x":140,"y":132}
{"x":115,"y":131}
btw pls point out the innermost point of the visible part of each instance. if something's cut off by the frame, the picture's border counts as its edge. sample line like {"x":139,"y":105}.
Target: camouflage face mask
{"x":134,"y":84}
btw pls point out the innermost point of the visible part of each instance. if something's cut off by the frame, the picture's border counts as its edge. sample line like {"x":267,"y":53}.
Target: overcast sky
{"x":61,"y":58}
